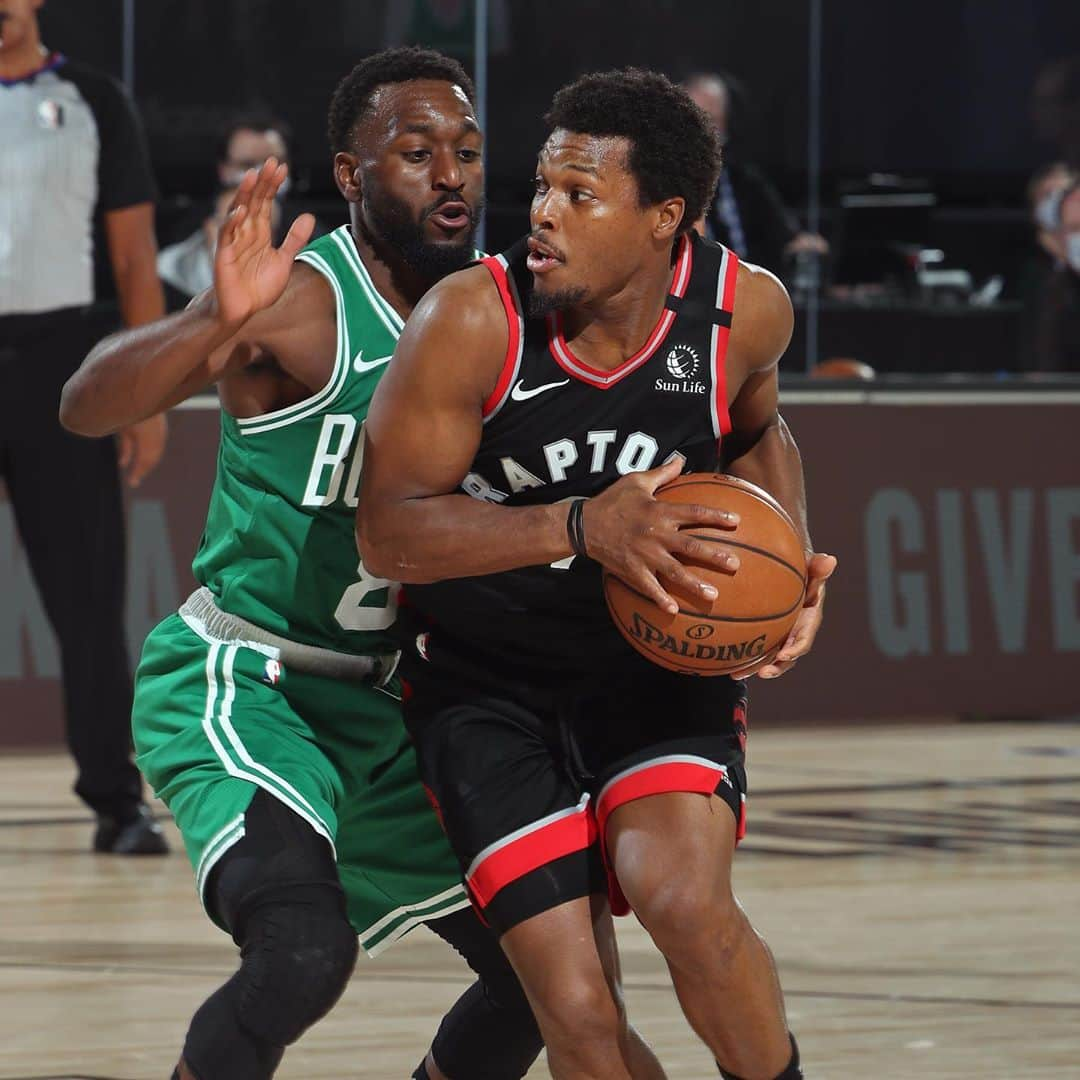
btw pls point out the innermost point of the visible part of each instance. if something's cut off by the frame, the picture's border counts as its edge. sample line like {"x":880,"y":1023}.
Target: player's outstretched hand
{"x":819,"y":568}
{"x":643,"y":540}
{"x":249,"y":272}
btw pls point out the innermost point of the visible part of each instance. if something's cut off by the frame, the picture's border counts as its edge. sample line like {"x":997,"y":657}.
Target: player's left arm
{"x":760,"y":447}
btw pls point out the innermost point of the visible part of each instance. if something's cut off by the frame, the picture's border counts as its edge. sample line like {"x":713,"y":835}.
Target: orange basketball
{"x":756,"y":606}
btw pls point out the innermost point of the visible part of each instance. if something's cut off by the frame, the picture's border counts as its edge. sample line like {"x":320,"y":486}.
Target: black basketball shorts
{"x":525,"y":769}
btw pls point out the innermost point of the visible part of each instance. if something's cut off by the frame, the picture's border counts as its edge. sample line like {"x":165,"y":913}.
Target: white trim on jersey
{"x":511,"y":287}
{"x":718,"y":378}
{"x":390,"y":318}
{"x":255,"y":425}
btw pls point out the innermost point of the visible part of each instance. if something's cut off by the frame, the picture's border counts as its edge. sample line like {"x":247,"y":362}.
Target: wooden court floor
{"x":920,"y":886}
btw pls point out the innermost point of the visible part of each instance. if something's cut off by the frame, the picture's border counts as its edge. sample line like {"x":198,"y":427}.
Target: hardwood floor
{"x":919,"y":885}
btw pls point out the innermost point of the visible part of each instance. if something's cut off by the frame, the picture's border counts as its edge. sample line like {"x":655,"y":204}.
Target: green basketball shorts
{"x":214,"y":720}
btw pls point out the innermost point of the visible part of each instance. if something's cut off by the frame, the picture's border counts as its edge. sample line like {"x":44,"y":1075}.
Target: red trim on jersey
{"x":725,"y":301}
{"x":566,"y":359}
{"x":497,"y":269}
{"x":563,"y":836}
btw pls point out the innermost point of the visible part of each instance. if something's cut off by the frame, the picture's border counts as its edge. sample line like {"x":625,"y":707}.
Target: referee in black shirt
{"x":72,"y":156}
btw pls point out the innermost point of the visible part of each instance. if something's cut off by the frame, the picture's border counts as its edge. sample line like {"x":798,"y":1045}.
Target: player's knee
{"x":581,"y":1016}
{"x":299,"y":951}
{"x":693,"y":923}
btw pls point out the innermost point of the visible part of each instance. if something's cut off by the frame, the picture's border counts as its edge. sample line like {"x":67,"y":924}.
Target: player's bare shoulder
{"x":762,"y":320}
{"x":466,"y":303}
{"x":458,"y":333}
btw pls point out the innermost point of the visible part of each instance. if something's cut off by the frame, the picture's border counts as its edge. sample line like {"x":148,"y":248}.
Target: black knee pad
{"x":278,"y":894}
{"x":298,"y":952}
{"x":489,"y":1032}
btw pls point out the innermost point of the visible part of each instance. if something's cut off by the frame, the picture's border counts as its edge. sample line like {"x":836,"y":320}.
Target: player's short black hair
{"x":674,"y":149}
{"x":353,"y":94}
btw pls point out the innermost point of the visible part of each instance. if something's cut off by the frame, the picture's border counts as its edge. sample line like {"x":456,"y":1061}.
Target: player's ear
{"x":347,"y":176}
{"x":669,"y":215}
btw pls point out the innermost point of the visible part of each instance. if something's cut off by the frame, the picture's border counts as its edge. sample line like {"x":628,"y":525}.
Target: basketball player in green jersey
{"x":266,"y":711}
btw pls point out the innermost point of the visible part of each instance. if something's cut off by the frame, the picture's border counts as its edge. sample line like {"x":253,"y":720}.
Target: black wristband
{"x":575,"y":527}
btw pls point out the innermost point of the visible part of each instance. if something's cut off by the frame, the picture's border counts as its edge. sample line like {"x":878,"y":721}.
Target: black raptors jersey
{"x":556,"y":428}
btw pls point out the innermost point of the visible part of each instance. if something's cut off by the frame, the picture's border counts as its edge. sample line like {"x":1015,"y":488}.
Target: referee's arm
{"x":127,"y":193}
{"x":129,"y":234}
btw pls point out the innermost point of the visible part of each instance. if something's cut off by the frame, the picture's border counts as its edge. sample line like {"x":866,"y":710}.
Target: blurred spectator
{"x":747,"y":213}
{"x":74,"y":154}
{"x":247,"y":142}
{"x":1055,"y":106}
{"x":1051,"y":284}
{"x":187,"y":268}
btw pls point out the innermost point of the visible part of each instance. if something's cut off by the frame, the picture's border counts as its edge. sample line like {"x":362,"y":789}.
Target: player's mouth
{"x":542,"y":257}
{"x":451,"y":217}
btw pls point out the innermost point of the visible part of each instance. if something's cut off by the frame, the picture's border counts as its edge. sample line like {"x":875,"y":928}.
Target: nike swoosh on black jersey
{"x":518,"y":394}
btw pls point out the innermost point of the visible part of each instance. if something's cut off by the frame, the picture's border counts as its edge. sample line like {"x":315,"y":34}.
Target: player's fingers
{"x":227,"y":234}
{"x":298,"y":235}
{"x":709,"y":516}
{"x":818,"y":570}
{"x":774,"y":670}
{"x":265,"y":187}
{"x":281,"y":174}
{"x":686,"y":581}
{"x":704,"y":549}
{"x":242,"y":195}
{"x":801,"y":639}
{"x":663,"y":474}
{"x":646,"y":583}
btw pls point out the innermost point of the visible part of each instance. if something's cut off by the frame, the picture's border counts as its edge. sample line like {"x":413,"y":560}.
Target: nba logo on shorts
{"x":422,"y":644}
{"x":273,"y":672}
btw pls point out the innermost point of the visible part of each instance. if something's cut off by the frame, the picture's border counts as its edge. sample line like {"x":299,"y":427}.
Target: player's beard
{"x":392,"y":222}
{"x":541,"y":304}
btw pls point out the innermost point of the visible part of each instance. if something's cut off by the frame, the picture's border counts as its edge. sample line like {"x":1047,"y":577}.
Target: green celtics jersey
{"x":278,"y":548}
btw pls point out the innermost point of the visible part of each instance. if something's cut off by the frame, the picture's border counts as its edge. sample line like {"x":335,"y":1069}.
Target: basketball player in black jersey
{"x":596,"y":363}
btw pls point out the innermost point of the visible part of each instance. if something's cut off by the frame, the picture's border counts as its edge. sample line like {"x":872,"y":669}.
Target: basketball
{"x":756,"y":606}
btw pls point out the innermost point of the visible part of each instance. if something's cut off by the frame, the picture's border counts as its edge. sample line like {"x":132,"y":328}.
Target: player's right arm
{"x":422,"y":432}
{"x":256,"y":304}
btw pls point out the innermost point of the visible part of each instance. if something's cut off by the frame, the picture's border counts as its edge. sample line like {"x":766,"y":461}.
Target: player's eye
{"x":469,"y":155}
{"x":539,"y":185}
{"x":416,"y":156}
{"x":580,"y":195}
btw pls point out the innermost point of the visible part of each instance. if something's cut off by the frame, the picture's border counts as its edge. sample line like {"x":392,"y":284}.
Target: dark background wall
{"x":941,"y":88}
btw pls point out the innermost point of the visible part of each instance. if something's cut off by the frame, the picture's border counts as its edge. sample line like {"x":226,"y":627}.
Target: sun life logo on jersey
{"x":682,"y":364}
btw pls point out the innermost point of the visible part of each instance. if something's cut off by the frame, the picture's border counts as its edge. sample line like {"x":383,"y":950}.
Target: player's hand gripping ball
{"x":756,"y":606}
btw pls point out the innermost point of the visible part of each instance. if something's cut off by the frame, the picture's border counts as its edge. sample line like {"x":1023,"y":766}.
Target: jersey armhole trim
{"x":497,"y":267}
{"x":725,"y":301}
{"x":256,"y":425}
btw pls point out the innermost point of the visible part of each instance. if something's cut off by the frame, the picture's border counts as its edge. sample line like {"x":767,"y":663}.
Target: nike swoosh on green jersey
{"x":360,"y":364}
